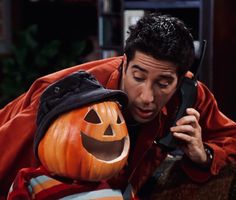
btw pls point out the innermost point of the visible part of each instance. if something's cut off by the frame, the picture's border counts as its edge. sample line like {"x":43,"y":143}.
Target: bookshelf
{"x":116,"y":16}
{"x":109,"y":27}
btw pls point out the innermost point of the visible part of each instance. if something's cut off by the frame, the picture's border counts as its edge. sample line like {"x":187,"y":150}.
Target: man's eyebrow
{"x":161,"y":76}
{"x":139,"y":68}
{"x":166,"y":76}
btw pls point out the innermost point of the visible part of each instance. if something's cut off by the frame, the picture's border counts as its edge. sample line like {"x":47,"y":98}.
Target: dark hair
{"x":163,"y":37}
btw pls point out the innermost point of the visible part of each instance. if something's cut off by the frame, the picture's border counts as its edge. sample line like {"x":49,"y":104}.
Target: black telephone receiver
{"x":187,"y":92}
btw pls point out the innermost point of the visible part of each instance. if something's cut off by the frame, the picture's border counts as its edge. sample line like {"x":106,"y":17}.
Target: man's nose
{"x":147,"y":94}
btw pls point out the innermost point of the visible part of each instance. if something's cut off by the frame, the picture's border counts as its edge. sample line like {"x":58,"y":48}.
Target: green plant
{"x":31,"y":59}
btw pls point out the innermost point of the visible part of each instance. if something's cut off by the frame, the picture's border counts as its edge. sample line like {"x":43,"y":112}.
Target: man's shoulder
{"x":101,"y":69}
{"x":104,"y":66}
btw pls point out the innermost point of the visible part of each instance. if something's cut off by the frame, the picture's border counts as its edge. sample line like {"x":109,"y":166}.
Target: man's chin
{"x":142,"y":117}
{"x":143,"y":120}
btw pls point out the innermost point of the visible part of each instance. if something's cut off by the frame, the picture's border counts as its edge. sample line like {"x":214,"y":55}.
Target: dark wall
{"x":224,"y":56}
{"x":64,"y":37}
{"x":64,"y":20}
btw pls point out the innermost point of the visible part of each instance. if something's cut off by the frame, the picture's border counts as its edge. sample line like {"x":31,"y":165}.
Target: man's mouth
{"x":144,"y":113}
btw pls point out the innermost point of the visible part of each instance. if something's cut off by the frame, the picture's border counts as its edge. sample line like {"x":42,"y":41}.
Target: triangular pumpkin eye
{"x":118,"y":121}
{"x":92,"y":117}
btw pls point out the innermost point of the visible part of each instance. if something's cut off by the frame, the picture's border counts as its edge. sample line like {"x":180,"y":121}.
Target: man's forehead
{"x":162,"y":72}
{"x":147,"y":62}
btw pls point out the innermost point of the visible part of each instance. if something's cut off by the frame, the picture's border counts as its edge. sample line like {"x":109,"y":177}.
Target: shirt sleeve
{"x":17,"y":128}
{"x":218,"y":132}
{"x":19,"y":188}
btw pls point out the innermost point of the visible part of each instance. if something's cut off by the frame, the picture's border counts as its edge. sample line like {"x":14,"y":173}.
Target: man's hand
{"x":188,"y":131}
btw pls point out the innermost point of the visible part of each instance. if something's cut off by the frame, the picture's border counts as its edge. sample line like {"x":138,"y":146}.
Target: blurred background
{"x":38,"y":37}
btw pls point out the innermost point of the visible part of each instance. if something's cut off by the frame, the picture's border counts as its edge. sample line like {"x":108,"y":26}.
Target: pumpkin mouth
{"x":103,"y":150}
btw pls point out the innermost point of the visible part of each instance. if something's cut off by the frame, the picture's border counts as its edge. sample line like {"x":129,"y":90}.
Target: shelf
{"x":160,"y":4}
{"x":109,"y":6}
{"x":110,"y":33}
{"x":110,"y":14}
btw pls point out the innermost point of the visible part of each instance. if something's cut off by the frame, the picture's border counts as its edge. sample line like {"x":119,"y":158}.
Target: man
{"x":157,"y":55}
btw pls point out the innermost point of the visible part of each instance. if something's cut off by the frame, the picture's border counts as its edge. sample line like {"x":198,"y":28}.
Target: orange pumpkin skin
{"x":65,"y":148}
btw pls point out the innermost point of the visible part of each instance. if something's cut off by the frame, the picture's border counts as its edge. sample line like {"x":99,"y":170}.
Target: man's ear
{"x":124,"y":67}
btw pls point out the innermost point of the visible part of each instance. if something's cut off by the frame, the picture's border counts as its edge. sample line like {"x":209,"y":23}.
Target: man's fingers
{"x":183,"y":137}
{"x":186,"y":129}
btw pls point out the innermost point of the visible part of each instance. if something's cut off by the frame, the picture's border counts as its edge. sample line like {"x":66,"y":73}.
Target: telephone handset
{"x":187,"y":92}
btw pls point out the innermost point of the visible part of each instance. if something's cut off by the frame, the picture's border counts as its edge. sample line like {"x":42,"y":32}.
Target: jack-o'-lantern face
{"x":89,"y":143}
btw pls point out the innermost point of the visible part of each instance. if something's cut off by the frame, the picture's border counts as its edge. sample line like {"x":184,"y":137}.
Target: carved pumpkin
{"x":90,"y":143}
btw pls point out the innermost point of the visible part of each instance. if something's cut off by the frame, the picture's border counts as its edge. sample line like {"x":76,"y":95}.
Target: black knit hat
{"x":75,"y":90}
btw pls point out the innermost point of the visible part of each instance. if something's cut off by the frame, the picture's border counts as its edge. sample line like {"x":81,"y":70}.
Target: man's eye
{"x":163,"y":85}
{"x":139,"y":79}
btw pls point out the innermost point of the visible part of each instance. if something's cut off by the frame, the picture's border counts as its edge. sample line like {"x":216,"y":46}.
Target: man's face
{"x":149,"y":84}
